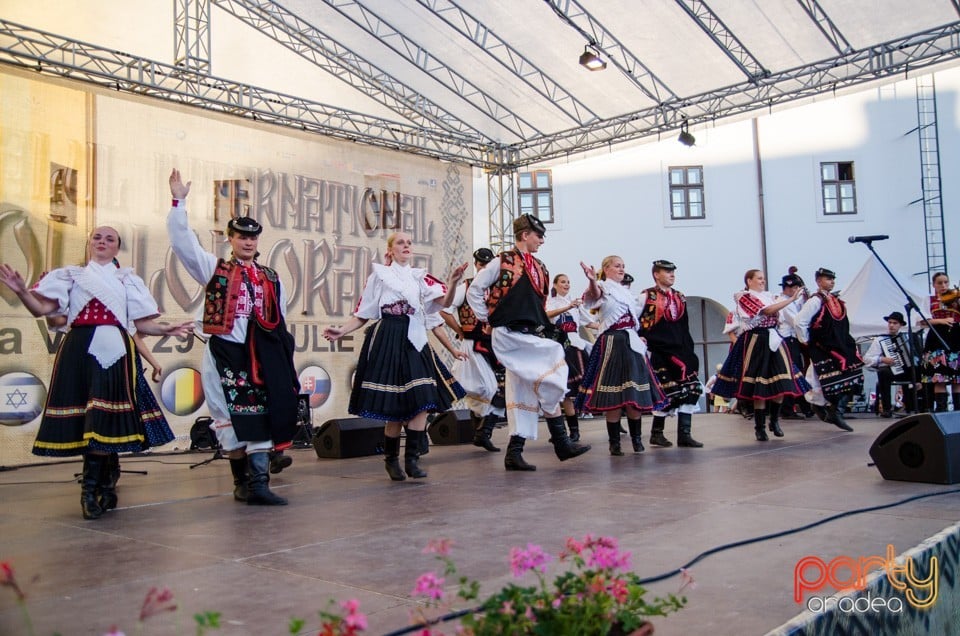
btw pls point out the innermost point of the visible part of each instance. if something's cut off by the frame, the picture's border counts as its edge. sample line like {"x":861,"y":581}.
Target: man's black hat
{"x":791,"y":280}
{"x":483,"y":255}
{"x":662,"y":264}
{"x":627,"y":279}
{"x":245,"y":225}
{"x":528,"y":222}
{"x":823,"y":272}
{"x":896,"y":315}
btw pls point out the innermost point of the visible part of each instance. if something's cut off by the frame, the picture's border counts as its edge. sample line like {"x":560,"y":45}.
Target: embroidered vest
{"x":468,"y":319}
{"x":656,"y":307}
{"x":512,"y":270}
{"x":222,"y":294}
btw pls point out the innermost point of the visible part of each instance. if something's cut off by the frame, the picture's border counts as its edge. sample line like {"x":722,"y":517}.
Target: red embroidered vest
{"x":511,"y":270}
{"x":222,"y":296}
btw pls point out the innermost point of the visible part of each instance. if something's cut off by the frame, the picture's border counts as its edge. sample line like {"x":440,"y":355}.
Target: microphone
{"x":868,"y":239}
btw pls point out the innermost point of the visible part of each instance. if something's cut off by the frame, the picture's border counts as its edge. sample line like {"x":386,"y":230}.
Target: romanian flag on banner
{"x":182,"y":392}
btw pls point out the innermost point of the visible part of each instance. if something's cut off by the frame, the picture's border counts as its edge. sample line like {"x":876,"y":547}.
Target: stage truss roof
{"x":497,"y":84}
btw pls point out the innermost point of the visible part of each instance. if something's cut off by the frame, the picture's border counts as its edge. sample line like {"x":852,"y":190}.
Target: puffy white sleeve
{"x":140,"y":304}
{"x":198,"y":262}
{"x":432,"y":292}
{"x":459,"y":298}
{"x":483,"y":280}
{"x":55,"y":285}
{"x":805,"y":316}
{"x":369,"y":306}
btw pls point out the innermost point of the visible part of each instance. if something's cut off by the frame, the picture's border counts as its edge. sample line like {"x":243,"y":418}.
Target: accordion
{"x":896,"y":347}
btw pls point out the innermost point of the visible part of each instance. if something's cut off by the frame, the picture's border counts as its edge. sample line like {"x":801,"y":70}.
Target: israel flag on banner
{"x":22,"y":397}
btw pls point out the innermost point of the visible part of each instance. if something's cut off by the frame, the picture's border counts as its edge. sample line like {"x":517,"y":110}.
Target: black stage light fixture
{"x":685,"y":137}
{"x":591,"y":60}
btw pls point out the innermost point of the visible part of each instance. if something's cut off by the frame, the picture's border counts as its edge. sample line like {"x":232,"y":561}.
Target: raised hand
{"x":589,"y":271}
{"x":456,"y":275}
{"x":12,"y":279}
{"x":178,"y":189}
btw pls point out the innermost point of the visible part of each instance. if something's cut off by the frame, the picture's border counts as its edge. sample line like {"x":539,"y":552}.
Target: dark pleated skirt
{"x":617,"y":376}
{"x":576,"y":361}
{"x":90,"y":408}
{"x":753,"y":372}
{"x":394,"y":382}
{"x":154,"y":422}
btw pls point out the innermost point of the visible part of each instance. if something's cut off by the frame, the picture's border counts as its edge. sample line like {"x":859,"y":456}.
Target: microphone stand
{"x":908,"y":307}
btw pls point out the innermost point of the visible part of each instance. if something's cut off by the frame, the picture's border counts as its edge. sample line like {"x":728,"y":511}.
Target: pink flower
{"x":619,"y":590}
{"x":114,"y":631}
{"x":157,"y":601}
{"x":439,"y":546}
{"x":507,"y":608}
{"x":9,"y":579}
{"x":430,"y":585}
{"x":354,"y":619}
{"x":522,"y":561}
{"x":687,"y":580}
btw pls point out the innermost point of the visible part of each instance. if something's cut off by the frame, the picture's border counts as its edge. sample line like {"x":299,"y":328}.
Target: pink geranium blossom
{"x":430,"y":585}
{"x":533,"y":558}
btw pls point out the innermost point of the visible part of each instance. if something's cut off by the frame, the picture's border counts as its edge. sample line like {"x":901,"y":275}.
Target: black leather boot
{"x":391,"y":458}
{"x":636,"y":435}
{"x":574,"y":425}
{"x":940,"y":401}
{"x":513,"y":460}
{"x":482,"y":436}
{"x":774,"y":409}
{"x":109,"y":476}
{"x":239,"y":469}
{"x":684,"y":424}
{"x":657,"y":438}
{"x":562,"y":446}
{"x":89,"y":482}
{"x":835,"y":417}
{"x":411,"y":454}
{"x":613,"y":435}
{"x":258,"y":481}
{"x":759,"y":424}
{"x":279,"y":461}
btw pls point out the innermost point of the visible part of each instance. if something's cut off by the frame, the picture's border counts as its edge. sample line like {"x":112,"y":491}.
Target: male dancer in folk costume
{"x":875,"y":358}
{"x":248,"y":377}
{"x":836,"y":369}
{"x":536,"y":378}
{"x":481,"y":375}
{"x":663,"y":323}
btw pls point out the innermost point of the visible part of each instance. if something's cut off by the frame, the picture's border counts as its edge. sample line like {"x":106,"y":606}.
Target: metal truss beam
{"x":319,"y":48}
{"x":499,"y":49}
{"x":420,"y":57}
{"x":53,"y":55}
{"x":502,"y":203}
{"x":724,"y":38}
{"x":826,"y":25}
{"x":620,"y":56}
{"x":910,"y":53}
{"x":191,"y":34}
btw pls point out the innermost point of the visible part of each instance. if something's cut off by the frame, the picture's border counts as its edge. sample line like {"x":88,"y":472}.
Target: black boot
{"x":759,"y":424}
{"x":774,"y":408}
{"x":411,"y":455}
{"x":613,"y":435}
{"x":562,"y":446}
{"x":279,"y":461}
{"x":940,"y":401}
{"x":109,"y":476}
{"x":239,"y":469}
{"x":482,"y":436}
{"x":835,"y":417}
{"x":258,"y":481}
{"x":636,"y":437}
{"x":684,"y":424}
{"x":391,"y":458}
{"x":514,"y":459}
{"x":657,"y":438}
{"x":820,"y":412}
{"x":89,"y":481}
{"x":574,"y":425}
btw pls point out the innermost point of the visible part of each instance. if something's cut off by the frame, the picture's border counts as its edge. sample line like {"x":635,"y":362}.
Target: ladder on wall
{"x":930,"y":174}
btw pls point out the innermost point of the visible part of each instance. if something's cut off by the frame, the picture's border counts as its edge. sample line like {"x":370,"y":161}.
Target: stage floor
{"x":349,"y":532}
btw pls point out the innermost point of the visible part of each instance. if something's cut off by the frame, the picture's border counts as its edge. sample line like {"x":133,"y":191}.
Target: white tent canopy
{"x":872,"y":294}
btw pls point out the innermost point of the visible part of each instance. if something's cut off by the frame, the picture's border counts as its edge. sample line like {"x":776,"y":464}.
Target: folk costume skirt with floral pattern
{"x":90,"y":408}
{"x":154,"y":423}
{"x":394,"y":382}
{"x":753,"y":372}
{"x":939,"y":365}
{"x":617,"y":376}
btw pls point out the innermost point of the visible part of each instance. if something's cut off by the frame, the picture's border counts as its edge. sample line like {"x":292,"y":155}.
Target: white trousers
{"x":478,"y":380}
{"x":536,"y":378}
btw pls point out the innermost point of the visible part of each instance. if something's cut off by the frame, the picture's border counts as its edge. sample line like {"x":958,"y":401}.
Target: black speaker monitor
{"x":451,"y":427}
{"x":348,"y":437}
{"x":923,"y":447}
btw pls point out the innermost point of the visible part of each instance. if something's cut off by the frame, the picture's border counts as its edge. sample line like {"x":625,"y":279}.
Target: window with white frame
{"x":535,"y":194}
{"x":686,"y":192}
{"x":838,"y":187}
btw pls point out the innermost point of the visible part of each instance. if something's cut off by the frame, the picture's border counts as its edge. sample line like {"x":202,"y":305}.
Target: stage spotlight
{"x":591,"y":60}
{"x":685,"y":137}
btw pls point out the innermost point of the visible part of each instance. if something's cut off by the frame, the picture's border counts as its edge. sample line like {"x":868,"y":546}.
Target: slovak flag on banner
{"x":22,"y":397}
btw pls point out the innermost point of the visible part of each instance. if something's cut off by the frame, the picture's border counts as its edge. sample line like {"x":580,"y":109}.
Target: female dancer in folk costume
{"x":618,"y":375}
{"x":759,"y":367}
{"x":91,"y":407}
{"x":941,"y":366}
{"x":397,"y":378}
{"x":478,"y":371}
{"x":569,"y":315}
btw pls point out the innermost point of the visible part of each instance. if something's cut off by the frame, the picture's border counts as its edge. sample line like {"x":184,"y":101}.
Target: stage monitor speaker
{"x":923,"y":447}
{"x":348,"y":437}
{"x":451,"y":427}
